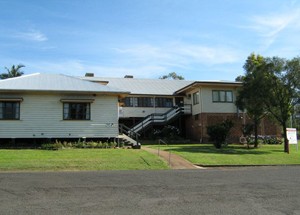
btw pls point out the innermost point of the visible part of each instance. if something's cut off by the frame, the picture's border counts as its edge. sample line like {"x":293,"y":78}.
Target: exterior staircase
{"x":156,"y":118}
{"x":130,"y":136}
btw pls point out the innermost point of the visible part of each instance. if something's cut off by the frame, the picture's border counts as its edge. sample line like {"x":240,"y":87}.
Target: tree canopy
{"x":283,"y":82}
{"x":271,"y":86}
{"x":172,"y":75}
{"x":14,"y":71}
{"x":251,"y":95}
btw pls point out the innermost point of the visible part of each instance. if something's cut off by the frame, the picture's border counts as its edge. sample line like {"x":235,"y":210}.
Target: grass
{"x":207,"y":154}
{"x":78,"y":159}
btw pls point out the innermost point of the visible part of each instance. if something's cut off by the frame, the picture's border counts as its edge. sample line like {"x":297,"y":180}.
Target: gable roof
{"x":55,"y":83}
{"x":143,"y":86}
{"x":197,"y":84}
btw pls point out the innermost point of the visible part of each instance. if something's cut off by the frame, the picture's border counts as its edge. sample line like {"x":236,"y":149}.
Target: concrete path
{"x":176,"y":162}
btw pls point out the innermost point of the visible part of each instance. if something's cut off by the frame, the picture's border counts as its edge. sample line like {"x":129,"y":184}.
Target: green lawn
{"x":206,"y":154}
{"x":78,"y":159}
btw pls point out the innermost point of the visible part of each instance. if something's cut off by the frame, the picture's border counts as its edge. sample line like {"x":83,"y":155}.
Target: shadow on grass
{"x":230,"y":150}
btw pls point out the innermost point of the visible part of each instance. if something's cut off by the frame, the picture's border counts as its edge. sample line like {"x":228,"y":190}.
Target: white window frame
{"x":196,"y":98}
{"x":222,"y":96}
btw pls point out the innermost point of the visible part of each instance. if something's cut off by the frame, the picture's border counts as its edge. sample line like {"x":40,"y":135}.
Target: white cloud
{"x":79,"y":68}
{"x":144,"y":61}
{"x":180,"y":54}
{"x":206,"y":54}
{"x":32,"y":35}
{"x":270,"y":26}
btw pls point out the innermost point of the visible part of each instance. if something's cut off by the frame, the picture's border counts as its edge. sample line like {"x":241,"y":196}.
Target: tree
{"x":172,"y":75}
{"x":240,"y":78}
{"x":14,"y":71}
{"x":283,"y":83}
{"x":251,"y":96}
{"x":272,"y":86}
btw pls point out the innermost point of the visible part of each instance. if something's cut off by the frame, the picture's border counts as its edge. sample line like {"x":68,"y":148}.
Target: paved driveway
{"x":259,"y":190}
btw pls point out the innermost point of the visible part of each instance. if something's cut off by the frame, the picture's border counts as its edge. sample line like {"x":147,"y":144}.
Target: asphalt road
{"x":255,"y":190}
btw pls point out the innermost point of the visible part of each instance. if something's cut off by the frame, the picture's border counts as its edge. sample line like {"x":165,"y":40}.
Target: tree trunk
{"x":286,"y":141}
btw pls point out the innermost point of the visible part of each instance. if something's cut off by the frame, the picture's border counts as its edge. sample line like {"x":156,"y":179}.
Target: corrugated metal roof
{"x":144,"y":86}
{"x":209,"y":83}
{"x":54,"y":82}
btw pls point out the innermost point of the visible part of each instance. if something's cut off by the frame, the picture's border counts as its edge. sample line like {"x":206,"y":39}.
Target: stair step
{"x":127,"y":139}
{"x":169,"y":115}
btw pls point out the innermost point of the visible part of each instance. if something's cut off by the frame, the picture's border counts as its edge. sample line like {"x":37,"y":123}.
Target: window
{"x":138,"y":102}
{"x":196,"y":96}
{"x":145,"y":102}
{"x":9,"y":110}
{"x":76,"y":111}
{"x":163,"y":102}
{"x":130,"y":102}
{"x":148,"y":102}
{"x":222,"y":96}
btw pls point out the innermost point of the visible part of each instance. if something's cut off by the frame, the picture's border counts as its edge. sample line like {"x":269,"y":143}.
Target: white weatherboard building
{"x":59,"y":106}
{"x":193,"y":105}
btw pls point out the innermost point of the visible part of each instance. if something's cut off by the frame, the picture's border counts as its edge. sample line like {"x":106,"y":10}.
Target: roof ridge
{"x":90,"y":82}
{"x":129,"y":79}
{"x":55,"y":82}
{"x":19,"y":77}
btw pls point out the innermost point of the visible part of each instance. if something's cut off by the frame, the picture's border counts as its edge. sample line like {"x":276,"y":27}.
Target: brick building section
{"x":196,"y":126}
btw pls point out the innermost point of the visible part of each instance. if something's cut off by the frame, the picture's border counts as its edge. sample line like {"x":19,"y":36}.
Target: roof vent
{"x":128,"y":76}
{"x":89,"y":74}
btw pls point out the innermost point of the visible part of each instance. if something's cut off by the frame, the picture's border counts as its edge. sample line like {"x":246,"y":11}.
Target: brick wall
{"x":196,"y":125}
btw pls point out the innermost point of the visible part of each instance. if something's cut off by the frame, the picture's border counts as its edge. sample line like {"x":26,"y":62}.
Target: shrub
{"x":271,"y":140}
{"x":52,"y":146}
{"x":113,"y":144}
{"x":168,"y":133}
{"x":66,"y":144}
{"x":79,"y":144}
{"x":47,"y":146}
{"x":218,"y":133}
{"x":105,"y":145}
{"x":99,"y":145}
{"x":247,"y":131}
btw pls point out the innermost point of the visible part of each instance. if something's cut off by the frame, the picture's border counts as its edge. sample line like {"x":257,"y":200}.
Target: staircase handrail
{"x":152,"y":117}
{"x":187,"y":108}
{"x":123,"y":129}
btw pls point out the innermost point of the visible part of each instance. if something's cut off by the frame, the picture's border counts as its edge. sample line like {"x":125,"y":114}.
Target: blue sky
{"x":198,"y":39}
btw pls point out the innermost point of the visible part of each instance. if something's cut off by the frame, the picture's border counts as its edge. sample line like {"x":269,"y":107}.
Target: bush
{"x":47,"y":146}
{"x":99,"y":145}
{"x":247,"y":134}
{"x":168,"y":133}
{"x":218,"y":133}
{"x":52,"y":146}
{"x":79,"y":144}
{"x":113,"y":144}
{"x":66,"y":144}
{"x":271,"y":140}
